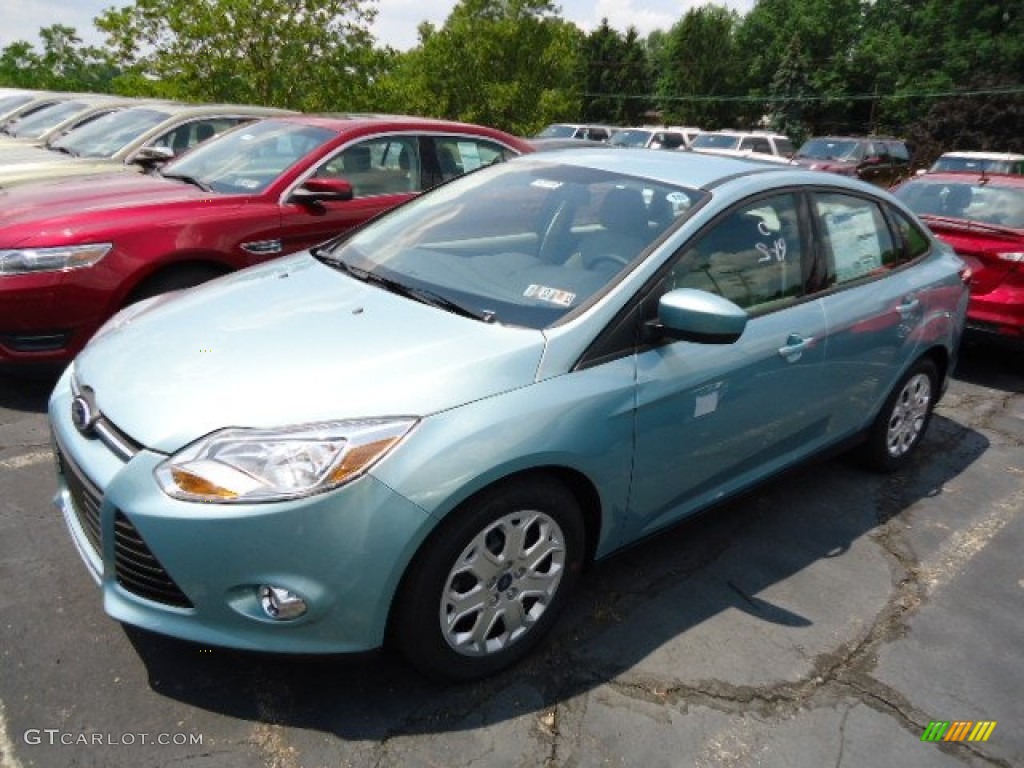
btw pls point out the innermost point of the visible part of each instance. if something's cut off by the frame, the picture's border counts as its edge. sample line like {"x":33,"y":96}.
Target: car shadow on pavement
{"x":768,"y":587}
{"x":26,"y":393}
{"x":990,"y":366}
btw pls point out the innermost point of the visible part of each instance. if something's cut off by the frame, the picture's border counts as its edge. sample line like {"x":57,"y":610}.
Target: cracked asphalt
{"x":822,"y":620}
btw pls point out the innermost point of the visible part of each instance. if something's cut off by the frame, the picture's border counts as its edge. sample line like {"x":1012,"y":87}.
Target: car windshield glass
{"x":631,"y":137}
{"x":10,"y":103}
{"x":38,"y":123}
{"x":828,"y":149}
{"x":715,"y":141}
{"x":557,"y":132}
{"x":111,"y":133}
{"x":975,"y":164}
{"x":522,"y":243}
{"x":248,"y":159}
{"x":1003,"y":206}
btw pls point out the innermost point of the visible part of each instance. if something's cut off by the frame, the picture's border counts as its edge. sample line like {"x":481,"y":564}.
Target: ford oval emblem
{"x":82,"y":415}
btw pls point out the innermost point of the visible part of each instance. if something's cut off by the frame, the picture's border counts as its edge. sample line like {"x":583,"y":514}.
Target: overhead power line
{"x":835,"y":97}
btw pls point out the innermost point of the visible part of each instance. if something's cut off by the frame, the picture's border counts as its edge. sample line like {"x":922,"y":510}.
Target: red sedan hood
{"x":30,"y":204}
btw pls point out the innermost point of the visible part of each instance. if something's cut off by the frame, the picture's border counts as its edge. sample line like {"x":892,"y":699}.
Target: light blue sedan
{"x":421,"y":434}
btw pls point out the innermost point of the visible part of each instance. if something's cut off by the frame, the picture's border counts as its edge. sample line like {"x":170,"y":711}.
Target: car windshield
{"x":247,"y":160}
{"x":111,"y":133}
{"x":522,"y":243}
{"x":12,"y":102}
{"x":715,"y":141}
{"x":38,"y":123}
{"x":1003,"y":206}
{"x":828,"y":149}
{"x":973,"y":164}
{"x":631,"y":137}
{"x":557,"y":132}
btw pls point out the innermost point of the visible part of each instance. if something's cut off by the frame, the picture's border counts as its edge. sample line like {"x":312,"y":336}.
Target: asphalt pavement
{"x":826,"y":619}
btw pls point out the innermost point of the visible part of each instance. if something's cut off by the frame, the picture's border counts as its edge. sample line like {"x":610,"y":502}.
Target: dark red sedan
{"x":982,"y":217}
{"x":73,"y":252}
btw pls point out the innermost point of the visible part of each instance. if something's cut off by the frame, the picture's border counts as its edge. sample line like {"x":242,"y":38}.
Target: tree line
{"x":945,"y":74}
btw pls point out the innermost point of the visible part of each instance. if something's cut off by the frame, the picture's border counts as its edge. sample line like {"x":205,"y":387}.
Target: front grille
{"x":138,"y":570}
{"x":85,"y":500}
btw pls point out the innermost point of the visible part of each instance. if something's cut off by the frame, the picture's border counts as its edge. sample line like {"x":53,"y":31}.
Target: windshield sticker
{"x":550,"y":295}
{"x":546,"y":184}
{"x":248,"y":183}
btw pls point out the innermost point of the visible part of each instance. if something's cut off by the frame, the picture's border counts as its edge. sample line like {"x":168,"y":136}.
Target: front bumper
{"x":193,"y":570}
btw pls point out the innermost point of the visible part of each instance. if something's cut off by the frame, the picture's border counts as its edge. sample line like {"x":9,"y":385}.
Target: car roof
{"x":687,"y":169}
{"x":987,"y":178}
{"x":343,"y":122}
{"x":972,"y":155}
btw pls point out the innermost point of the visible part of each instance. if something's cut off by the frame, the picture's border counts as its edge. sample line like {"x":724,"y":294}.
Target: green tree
{"x":314,"y":55}
{"x":788,"y":91}
{"x":615,"y":75}
{"x":699,"y":69}
{"x":64,"y":64}
{"x":506,"y":63}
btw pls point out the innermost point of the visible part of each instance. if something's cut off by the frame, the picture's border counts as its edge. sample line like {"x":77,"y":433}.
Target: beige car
{"x":129,"y":140}
{"x":17,"y":104}
{"x":51,"y":123}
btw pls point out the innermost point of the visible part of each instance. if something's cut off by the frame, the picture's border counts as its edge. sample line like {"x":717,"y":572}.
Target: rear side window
{"x":915,"y":243}
{"x":855,"y":236}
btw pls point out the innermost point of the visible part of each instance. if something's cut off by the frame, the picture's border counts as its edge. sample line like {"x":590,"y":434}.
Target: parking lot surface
{"x":827,"y":618}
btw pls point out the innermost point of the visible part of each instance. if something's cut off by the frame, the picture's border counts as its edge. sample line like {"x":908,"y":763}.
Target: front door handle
{"x":795,"y":346}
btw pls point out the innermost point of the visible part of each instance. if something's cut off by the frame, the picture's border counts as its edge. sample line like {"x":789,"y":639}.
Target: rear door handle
{"x":908,"y":307}
{"x":795,"y":346}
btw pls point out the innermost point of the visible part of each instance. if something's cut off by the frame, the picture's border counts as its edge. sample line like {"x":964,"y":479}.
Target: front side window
{"x":753,"y":257}
{"x":521,"y":243}
{"x":385,"y":165}
{"x":185,"y":136}
{"x":856,"y":239}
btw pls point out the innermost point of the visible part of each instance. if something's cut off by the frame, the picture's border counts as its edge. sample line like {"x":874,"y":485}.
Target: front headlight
{"x":21,"y":261}
{"x":252,"y":465}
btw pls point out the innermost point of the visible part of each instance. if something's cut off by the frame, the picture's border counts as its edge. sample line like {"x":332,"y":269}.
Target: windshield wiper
{"x":422,"y":295}
{"x":65,"y":150}
{"x":972,"y":225}
{"x":188,"y":180}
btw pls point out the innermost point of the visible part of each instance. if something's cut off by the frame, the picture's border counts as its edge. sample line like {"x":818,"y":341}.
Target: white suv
{"x":743,"y":143}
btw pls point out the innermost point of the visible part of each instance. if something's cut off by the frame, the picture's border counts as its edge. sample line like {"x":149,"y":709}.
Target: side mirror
{"x":319,"y":190}
{"x":698,"y":316}
{"x":151,"y":157}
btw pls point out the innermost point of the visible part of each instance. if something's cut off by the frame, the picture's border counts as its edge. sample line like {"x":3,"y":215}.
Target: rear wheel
{"x":490,"y":583}
{"x":902,"y":422}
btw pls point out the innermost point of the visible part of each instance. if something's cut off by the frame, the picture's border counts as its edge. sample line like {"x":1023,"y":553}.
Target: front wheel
{"x":490,"y":583}
{"x":902,"y":422}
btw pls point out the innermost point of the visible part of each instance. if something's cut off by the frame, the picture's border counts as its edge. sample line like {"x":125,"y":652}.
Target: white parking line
{"x":7,"y":758}
{"x":26,"y":460}
{"x":965,"y":544}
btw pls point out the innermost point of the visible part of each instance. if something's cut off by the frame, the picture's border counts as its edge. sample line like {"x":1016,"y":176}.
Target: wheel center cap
{"x":504,"y":582}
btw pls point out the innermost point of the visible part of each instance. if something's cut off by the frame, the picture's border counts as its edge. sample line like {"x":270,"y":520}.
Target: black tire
{"x":173,"y":279}
{"x":508,"y":617}
{"x":903,"y":420}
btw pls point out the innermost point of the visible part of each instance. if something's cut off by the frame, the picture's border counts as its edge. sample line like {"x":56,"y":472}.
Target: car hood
{"x":59,"y":205}
{"x":51,"y":166}
{"x":293,"y":342}
{"x":810,"y":162}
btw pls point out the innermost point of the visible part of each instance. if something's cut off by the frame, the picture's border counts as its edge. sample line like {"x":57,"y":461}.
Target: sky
{"x":395,"y":25}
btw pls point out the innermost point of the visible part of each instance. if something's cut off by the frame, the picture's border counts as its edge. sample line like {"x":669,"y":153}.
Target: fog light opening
{"x":281,"y":604}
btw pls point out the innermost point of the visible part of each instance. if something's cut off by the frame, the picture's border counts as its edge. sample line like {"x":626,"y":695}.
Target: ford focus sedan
{"x":73,"y":252}
{"x":421,"y":434}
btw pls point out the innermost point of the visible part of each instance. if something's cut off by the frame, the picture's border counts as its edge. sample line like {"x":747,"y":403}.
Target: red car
{"x":73,"y":252}
{"x":982,"y":217}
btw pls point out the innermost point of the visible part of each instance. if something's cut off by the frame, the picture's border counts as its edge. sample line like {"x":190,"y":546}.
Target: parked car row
{"x":80,"y":238}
